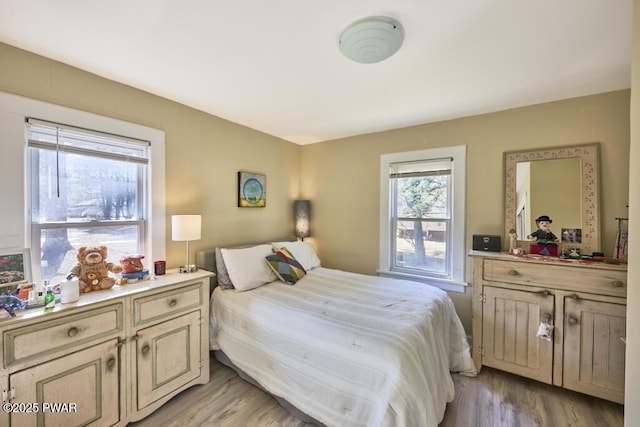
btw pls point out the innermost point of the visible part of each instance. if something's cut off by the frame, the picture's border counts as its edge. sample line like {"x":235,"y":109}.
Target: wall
{"x":632,"y":375}
{"x":341,"y":177}
{"x":203,"y":152}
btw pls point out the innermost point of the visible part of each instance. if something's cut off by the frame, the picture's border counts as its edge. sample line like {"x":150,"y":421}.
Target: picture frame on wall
{"x":15,"y":267}
{"x":252,"y":190}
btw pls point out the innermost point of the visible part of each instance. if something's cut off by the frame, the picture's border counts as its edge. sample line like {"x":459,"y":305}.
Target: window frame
{"x":456,"y":278}
{"x":15,"y":229}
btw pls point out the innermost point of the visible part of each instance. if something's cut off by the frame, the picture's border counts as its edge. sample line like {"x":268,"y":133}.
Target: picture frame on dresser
{"x":15,"y":267}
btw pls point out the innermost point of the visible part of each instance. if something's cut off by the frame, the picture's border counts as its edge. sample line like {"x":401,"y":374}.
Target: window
{"x":86,"y":188}
{"x":422,"y":216}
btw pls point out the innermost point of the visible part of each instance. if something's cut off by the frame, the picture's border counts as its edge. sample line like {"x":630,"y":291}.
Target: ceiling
{"x":275,"y":65}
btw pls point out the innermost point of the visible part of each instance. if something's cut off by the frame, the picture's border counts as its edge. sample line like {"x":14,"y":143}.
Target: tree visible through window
{"x":86,"y":189}
{"x":421,"y":216}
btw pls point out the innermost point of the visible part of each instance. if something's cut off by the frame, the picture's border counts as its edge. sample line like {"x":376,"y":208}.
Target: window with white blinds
{"x":422,"y":220}
{"x":86,"y":188}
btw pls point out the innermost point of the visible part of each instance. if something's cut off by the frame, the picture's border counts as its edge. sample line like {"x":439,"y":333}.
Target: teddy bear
{"x":93,"y":270}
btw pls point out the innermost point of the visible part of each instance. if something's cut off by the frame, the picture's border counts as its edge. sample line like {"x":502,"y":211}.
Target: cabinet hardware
{"x":173,"y":303}
{"x":72,"y":332}
{"x":623,"y":339}
{"x":513,"y":273}
{"x":111,"y":363}
{"x":573,"y":320}
{"x":121,"y":342}
{"x":134,"y":338}
{"x":546,"y":317}
{"x":145,"y":349}
{"x":617,"y":284}
{"x":544,"y":292}
{"x":574,"y":297}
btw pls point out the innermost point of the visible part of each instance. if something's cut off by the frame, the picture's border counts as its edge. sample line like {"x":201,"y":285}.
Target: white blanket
{"x":345,"y":348}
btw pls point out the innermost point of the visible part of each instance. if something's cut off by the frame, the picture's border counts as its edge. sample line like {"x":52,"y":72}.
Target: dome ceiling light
{"x":372,"y":39}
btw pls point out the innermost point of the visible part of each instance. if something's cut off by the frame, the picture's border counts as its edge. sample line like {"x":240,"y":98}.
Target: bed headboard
{"x":206,"y":259}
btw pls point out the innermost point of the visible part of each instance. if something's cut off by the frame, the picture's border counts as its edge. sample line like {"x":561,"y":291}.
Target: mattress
{"x":347,"y":349}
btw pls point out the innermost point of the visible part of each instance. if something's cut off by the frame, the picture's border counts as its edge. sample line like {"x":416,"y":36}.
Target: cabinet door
{"x":593,"y":351}
{"x":510,"y":322}
{"x":167,"y":357}
{"x":86,"y":381}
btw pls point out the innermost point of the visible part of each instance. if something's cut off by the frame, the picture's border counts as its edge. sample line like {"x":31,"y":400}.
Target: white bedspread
{"x":345,"y":348}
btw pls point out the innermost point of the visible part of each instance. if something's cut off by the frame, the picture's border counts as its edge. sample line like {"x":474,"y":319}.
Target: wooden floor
{"x":493,"y":399}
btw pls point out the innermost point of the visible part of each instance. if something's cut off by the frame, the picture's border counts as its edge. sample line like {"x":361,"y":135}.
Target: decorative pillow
{"x":285,"y":266}
{"x":224,"y":281}
{"x":246,"y":267}
{"x":303,"y":252}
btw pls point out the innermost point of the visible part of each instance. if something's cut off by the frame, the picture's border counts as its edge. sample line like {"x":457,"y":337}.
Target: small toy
{"x":10,"y":303}
{"x":131,"y":263}
{"x":92,"y":270}
{"x":543,"y":235}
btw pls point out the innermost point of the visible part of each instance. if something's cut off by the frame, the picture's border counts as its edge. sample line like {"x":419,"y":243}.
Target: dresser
{"x":111,"y":358}
{"x":584,"y":301}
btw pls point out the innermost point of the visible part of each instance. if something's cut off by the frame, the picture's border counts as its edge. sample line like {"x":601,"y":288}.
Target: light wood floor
{"x":493,"y":399}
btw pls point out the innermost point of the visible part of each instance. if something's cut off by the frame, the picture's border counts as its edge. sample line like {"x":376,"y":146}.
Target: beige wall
{"x":342,"y":177}
{"x":203,"y":152}
{"x":632,"y":377}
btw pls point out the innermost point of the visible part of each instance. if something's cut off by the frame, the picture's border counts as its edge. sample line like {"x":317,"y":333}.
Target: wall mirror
{"x":560,"y":182}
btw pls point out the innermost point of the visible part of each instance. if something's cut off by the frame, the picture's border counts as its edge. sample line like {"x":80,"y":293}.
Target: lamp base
{"x":190,"y":268}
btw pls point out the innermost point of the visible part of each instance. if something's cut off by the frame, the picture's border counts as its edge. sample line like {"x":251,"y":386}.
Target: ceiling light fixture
{"x":371,"y":39}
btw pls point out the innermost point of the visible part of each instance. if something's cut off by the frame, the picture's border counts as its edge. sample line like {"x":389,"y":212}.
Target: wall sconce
{"x":186,"y":228}
{"x":302,"y":215}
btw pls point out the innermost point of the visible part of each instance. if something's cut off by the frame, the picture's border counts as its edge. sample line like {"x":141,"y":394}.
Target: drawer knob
{"x":111,"y":363}
{"x":145,"y":349}
{"x":617,"y":284}
{"x":173,"y":302}
{"x":72,"y":332}
{"x":573,"y":320}
{"x":544,"y":292}
{"x":574,"y":297}
{"x":513,"y":273}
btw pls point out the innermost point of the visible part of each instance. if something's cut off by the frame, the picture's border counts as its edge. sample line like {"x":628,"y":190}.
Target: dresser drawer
{"x":564,"y":277}
{"x":66,"y":333}
{"x":165,"y":304}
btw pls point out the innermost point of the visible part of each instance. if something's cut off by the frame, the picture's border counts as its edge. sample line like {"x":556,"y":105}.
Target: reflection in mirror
{"x":559,"y":182}
{"x":552,"y":188}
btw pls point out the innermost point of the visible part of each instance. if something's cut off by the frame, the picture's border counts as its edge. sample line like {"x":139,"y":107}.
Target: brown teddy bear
{"x":92,"y":269}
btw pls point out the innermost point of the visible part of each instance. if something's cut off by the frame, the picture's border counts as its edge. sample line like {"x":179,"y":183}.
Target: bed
{"x":345,"y":349}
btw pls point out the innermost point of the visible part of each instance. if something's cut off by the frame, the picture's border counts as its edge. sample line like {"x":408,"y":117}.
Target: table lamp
{"x":186,"y":228}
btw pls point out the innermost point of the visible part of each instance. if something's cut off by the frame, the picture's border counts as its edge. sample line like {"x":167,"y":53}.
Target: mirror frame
{"x":589,"y":154}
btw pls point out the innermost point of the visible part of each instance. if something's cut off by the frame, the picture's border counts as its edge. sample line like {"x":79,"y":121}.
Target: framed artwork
{"x":571,"y":235}
{"x":15,"y":267}
{"x":252,"y":190}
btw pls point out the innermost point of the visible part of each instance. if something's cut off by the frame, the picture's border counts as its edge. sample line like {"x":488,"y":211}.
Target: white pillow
{"x":303,"y":252}
{"x":246,"y":266}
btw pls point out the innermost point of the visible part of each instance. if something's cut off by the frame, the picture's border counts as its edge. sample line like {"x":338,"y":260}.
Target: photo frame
{"x":15,"y":267}
{"x":252,"y":190}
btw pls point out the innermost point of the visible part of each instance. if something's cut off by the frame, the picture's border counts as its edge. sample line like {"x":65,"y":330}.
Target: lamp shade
{"x":302,"y":215}
{"x":186,"y":227}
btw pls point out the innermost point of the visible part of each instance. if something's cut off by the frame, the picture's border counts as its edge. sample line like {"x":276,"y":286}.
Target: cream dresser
{"x":113,"y":357}
{"x":586,"y":303}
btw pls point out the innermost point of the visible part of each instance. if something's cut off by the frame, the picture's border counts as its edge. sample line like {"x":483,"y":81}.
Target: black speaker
{"x":485,"y":242}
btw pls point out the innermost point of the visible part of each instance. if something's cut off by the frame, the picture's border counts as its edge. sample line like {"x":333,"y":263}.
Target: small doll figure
{"x":543,"y":235}
{"x":513,"y":240}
